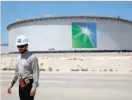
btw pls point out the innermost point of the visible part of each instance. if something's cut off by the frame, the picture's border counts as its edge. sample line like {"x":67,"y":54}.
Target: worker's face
{"x":22,"y":48}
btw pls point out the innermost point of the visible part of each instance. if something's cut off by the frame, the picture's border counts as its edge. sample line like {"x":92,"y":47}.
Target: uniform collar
{"x":24,"y":54}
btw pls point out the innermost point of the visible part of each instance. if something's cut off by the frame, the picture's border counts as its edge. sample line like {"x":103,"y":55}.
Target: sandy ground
{"x":75,"y":86}
{"x":90,"y":62}
{"x":107,"y":76}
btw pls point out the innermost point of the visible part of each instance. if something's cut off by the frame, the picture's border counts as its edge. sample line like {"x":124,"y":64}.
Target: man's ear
{"x":26,"y":45}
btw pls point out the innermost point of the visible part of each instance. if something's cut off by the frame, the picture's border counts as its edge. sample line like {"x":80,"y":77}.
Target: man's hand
{"x":9,"y":90}
{"x":32,"y":93}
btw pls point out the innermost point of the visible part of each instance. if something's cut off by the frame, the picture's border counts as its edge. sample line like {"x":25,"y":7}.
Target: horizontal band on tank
{"x":18,"y":23}
{"x":4,"y":44}
{"x":79,"y":51}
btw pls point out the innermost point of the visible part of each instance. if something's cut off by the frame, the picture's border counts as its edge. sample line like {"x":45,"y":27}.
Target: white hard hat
{"x":21,"y":40}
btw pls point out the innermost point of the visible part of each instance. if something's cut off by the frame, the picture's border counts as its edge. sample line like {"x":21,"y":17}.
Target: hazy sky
{"x":12,"y":11}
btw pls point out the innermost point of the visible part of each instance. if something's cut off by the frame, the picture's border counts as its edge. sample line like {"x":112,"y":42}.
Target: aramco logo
{"x":84,"y":35}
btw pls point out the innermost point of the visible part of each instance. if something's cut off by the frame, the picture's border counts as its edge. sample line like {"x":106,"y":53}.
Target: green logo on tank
{"x":84,"y":35}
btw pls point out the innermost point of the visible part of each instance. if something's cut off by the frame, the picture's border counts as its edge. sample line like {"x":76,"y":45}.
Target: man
{"x":26,"y":70}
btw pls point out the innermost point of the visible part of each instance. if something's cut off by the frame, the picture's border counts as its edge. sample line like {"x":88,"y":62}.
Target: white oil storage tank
{"x":69,"y":33}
